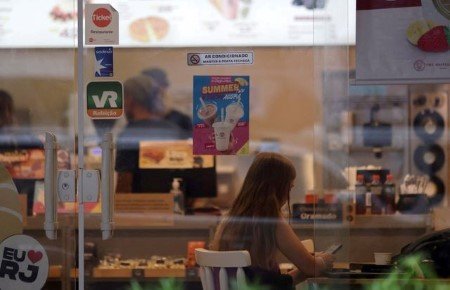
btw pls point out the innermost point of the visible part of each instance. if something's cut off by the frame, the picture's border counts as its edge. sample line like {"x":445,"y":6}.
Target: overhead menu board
{"x":403,"y":41}
{"x":186,"y":23}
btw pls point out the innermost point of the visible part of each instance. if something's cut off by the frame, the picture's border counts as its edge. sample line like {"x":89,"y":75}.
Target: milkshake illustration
{"x":222,"y":132}
{"x":208,"y":113}
{"x":234,"y":112}
{"x":228,"y":8}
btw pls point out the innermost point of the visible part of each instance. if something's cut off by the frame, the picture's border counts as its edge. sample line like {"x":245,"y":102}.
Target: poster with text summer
{"x":403,"y":40}
{"x":221,"y":115}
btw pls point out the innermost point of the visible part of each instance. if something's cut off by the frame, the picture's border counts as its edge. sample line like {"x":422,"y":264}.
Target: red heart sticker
{"x":34,"y":256}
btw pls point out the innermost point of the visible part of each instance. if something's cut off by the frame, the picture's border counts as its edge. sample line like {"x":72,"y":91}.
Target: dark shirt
{"x":127,"y":157}
{"x":181,"y":120}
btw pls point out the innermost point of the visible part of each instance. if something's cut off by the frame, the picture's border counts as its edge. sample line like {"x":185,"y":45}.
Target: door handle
{"x":50,"y":199}
{"x":107,"y":224}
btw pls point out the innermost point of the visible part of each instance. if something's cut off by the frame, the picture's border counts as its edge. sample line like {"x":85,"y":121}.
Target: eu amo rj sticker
{"x":221,"y":115}
{"x":23,"y":264}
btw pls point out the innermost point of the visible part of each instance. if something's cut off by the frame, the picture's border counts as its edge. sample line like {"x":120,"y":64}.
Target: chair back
{"x":208,"y":260}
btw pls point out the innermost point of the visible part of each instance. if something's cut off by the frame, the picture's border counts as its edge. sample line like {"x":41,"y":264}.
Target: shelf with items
{"x":138,"y":221}
{"x":120,"y":274}
{"x":397,"y":221}
{"x":103,"y":273}
{"x":363,"y":149}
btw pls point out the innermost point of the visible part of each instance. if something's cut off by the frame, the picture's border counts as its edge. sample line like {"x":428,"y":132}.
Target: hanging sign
{"x":104,"y":100}
{"x":101,"y":25}
{"x":403,"y":39}
{"x":104,"y":61}
{"x":23,"y":264}
{"x":221,"y":115}
{"x":220,"y":58}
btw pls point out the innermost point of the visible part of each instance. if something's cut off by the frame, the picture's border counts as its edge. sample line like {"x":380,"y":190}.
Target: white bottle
{"x":178,"y":196}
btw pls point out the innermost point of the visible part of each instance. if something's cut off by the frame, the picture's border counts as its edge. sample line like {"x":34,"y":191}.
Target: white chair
{"x":222,"y":259}
{"x":228,"y":259}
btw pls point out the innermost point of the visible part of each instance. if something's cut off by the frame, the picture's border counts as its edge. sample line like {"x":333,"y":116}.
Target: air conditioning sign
{"x":23,"y":264}
{"x":101,"y":25}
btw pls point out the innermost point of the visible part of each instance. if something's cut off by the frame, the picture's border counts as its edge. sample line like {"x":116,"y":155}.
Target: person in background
{"x":255,"y":223}
{"x":13,"y":137}
{"x":7,"y":139}
{"x":172,"y":115}
{"x":6,"y":110}
{"x":144,"y":110}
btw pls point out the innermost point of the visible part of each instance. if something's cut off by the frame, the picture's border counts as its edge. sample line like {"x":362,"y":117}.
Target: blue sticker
{"x":104,"y":61}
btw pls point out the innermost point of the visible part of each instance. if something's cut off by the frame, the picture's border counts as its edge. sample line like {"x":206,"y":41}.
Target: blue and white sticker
{"x":104,"y":61}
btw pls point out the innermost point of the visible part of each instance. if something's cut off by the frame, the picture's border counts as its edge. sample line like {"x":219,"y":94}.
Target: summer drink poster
{"x":221,"y":115}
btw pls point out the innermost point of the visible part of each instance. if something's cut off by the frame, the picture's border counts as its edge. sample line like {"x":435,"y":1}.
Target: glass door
{"x":38,"y":96}
{"x":334,"y":130}
{"x":190,"y":95}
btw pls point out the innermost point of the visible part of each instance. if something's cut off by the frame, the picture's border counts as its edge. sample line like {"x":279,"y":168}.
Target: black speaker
{"x":428,"y":138}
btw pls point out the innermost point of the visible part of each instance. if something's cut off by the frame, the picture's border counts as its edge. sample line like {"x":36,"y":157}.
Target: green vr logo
{"x":104,"y":100}
{"x":110,"y":96}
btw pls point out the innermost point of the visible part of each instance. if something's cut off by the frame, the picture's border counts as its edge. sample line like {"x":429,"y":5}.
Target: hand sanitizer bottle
{"x":178,"y":196}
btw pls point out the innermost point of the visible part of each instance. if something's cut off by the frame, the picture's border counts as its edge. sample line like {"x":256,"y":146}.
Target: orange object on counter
{"x":311,"y":198}
{"x":192,"y":245}
{"x":329,"y":198}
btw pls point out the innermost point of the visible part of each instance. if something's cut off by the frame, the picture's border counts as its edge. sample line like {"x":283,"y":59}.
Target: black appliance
{"x":428,"y":142}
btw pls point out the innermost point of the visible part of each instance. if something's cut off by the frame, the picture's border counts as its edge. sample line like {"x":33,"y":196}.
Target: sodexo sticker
{"x":23,"y":264}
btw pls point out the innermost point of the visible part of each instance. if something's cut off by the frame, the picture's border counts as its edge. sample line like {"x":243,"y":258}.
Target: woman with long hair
{"x":255,"y":222}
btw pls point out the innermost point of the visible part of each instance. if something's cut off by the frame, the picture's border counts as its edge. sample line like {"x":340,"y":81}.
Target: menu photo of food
{"x":233,"y":9}
{"x":428,"y":36}
{"x":24,"y":164}
{"x":149,"y":29}
{"x":64,"y":11}
{"x":63,"y":20}
{"x":171,"y":155}
{"x":165,"y":154}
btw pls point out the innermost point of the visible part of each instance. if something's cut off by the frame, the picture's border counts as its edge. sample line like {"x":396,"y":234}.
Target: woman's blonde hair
{"x":253,"y":217}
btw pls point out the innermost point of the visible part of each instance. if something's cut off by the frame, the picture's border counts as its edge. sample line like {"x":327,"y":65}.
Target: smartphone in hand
{"x":333,"y":249}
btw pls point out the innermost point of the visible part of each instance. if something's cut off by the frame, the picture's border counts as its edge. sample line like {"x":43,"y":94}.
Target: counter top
{"x":347,"y":281}
{"x":178,"y":222}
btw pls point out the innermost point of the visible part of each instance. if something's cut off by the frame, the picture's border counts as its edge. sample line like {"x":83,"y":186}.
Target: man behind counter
{"x":160,"y":77}
{"x":145,"y":111}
